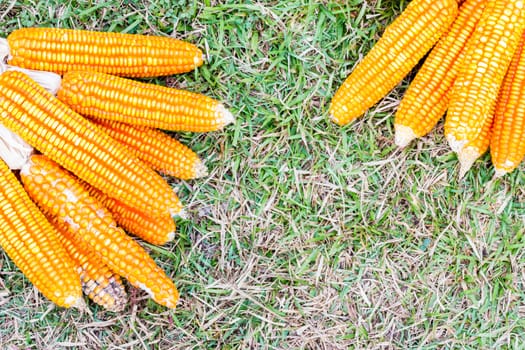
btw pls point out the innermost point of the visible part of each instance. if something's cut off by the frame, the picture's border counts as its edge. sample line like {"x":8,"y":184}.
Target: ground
{"x":305,"y":235}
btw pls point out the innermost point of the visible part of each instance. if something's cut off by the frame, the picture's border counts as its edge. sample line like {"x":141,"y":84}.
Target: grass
{"x":305,"y":235}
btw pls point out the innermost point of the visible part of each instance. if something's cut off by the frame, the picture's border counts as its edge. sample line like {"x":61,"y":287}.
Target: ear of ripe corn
{"x":81,"y":147}
{"x":156,"y":230}
{"x":91,"y":226}
{"x":31,"y":242}
{"x":108,"y":97}
{"x":488,"y":55}
{"x":426,"y":99}
{"x":99,"y":283}
{"x":157,"y":149}
{"x":403,"y":44}
{"x":62,"y":50}
{"x":507,"y":146}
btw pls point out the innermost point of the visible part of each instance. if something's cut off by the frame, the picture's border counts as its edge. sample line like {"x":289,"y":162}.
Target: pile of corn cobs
{"x":87,"y":144}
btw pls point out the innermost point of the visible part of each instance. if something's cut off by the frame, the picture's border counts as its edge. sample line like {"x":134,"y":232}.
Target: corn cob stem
{"x":107,"y":97}
{"x":62,"y":50}
{"x":507,"y":144}
{"x":78,"y":145}
{"x":488,"y":54}
{"x":31,"y":242}
{"x":14,"y":151}
{"x":426,"y":99}
{"x":91,"y":227}
{"x":403,"y":44}
{"x":157,"y":149}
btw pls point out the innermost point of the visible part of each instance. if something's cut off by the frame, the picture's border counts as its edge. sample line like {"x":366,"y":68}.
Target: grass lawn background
{"x":305,"y":234}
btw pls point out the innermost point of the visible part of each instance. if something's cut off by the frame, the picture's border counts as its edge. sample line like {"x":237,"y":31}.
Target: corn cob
{"x":79,"y":146}
{"x":507,"y":145}
{"x":99,"y":283}
{"x":426,"y":99}
{"x":403,"y":44}
{"x":63,"y":50}
{"x":157,"y":230}
{"x":91,"y":227}
{"x":157,"y":149}
{"x":108,"y":97}
{"x":31,"y":242}
{"x":488,"y":55}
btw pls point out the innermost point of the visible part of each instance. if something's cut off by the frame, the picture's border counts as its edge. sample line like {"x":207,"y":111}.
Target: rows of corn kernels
{"x":83,"y":148}
{"x":475,"y":73}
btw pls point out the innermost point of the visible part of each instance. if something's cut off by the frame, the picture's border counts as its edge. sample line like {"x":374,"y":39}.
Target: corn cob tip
{"x":227,"y":116}
{"x":199,"y":59}
{"x":340,"y":120}
{"x":505,"y":168}
{"x":176,"y":211}
{"x":181,"y":213}
{"x":75,"y":302}
{"x":333,"y":118}
{"x":467,"y":156}
{"x":456,"y":145}
{"x":105,"y":291}
{"x":500,"y":173}
{"x":403,"y":135}
{"x":169,"y":301}
{"x":200,"y":169}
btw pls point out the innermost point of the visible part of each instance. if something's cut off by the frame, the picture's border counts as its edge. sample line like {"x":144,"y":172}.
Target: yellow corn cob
{"x":81,"y":147}
{"x":488,"y":55}
{"x":99,"y":283}
{"x":507,"y":146}
{"x":157,"y":149}
{"x":31,"y":242}
{"x":403,"y":44}
{"x":62,"y":50}
{"x":90,"y":226}
{"x":104,"y":96}
{"x":157,"y":230}
{"x":475,"y":148}
{"x":426,"y":99}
